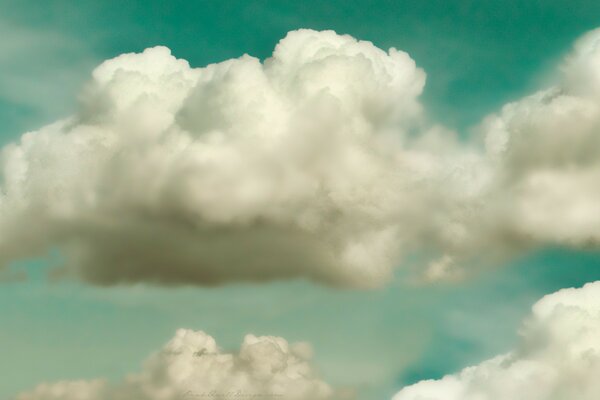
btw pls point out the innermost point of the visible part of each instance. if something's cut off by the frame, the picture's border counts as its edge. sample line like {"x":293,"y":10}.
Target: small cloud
{"x":191,"y":366}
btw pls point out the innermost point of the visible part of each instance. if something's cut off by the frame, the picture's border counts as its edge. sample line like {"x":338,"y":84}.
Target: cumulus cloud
{"x":191,"y":366}
{"x":546,"y":148}
{"x":315,"y":163}
{"x":541,"y":155}
{"x":241,"y":170}
{"x":558,"y":357}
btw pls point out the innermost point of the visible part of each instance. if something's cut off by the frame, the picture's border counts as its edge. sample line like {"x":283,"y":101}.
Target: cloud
{"x":545,"y":149}
{"x":316,"y":163}
{"x":236,"y":171}
{"x":191,"y":366}
{"x":543,"y":159}
{"x":558,"y":357}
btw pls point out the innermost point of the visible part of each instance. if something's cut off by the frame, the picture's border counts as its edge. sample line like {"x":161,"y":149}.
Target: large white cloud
{"x":236,"y":171}
{"x":316,"y":163}
{"x":191,"y":366}
{"x":558,"y":357}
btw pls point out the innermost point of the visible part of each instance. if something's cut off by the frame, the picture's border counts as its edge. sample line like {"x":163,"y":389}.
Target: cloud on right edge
{"x":558,"y":357}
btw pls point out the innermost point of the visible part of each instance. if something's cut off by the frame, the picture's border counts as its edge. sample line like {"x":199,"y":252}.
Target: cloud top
{"x":192,"y":366}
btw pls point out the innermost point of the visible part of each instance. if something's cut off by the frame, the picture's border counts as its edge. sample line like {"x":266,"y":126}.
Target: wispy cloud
{"x":41,"y":72}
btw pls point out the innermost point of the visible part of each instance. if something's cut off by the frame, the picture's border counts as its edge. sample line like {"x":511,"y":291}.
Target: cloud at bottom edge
{"x":557,"y":358}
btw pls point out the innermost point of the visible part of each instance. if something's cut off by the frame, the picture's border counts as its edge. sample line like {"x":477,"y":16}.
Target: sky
{"x":478,"y":55}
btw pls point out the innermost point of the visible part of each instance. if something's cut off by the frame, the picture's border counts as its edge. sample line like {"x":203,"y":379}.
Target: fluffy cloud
{"x":191,"y":366}
{"x":241,"y":170}
{"x":545,"y":149}
{"x":316,"y":163}
{"x":558,"y":357}
{"x":542,"y":157}
{"x":540,"y":162}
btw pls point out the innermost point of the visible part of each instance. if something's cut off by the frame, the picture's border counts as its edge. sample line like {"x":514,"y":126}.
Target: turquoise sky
{"x":477,"y":54}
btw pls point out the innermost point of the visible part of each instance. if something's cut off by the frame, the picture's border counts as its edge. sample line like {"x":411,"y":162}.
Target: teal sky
{"x":477,"y":54}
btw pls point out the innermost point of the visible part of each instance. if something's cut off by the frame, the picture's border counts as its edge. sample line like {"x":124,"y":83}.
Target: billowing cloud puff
{"x":191,"y":366}
{"x":315,"y":163}
{"x":558,"y":357}
{"x":546,"y":151}
{"x":241,"y":170}
{"x":542,"y":157}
